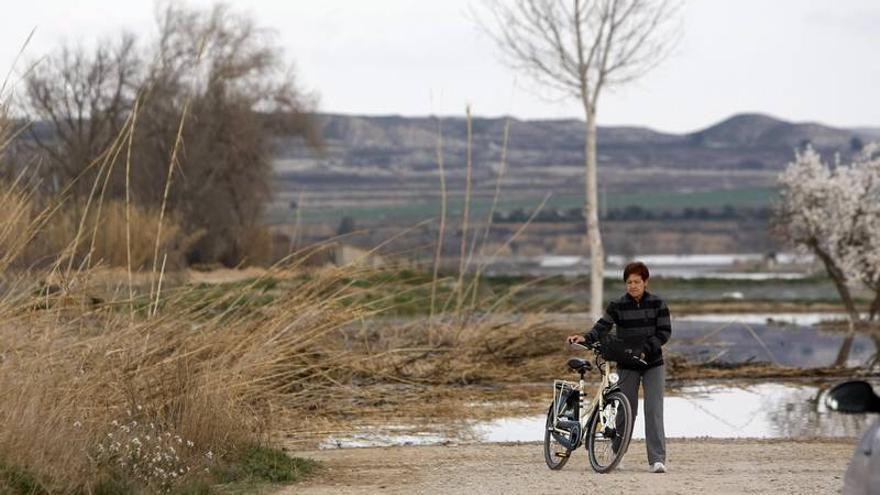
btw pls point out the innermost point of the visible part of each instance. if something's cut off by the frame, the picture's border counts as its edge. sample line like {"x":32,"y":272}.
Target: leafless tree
{"x":212,"y":90}
{"x":579,"y":48}
{"x":79,"y":102}
{"x":229,"y":75}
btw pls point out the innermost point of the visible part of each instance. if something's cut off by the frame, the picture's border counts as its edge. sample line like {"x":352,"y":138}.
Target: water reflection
{"x":743,"y":339}
{"x":808,"y":417}
{"x":781,"y":319}
{"x":760,"y":410}
{"x":764,"y":410}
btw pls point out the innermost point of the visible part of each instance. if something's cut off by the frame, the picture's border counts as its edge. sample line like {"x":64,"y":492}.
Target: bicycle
{"x":605,"y":425}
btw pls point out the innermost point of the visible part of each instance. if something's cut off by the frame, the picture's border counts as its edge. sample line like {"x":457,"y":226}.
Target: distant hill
{"x":762,"y":131}
{"x":385,"y":158}
{"x":744,"y":141}
{"x":871,"y":132}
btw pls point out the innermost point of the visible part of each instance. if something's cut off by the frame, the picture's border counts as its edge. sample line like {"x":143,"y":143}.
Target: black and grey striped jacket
{"x":644,"y":325}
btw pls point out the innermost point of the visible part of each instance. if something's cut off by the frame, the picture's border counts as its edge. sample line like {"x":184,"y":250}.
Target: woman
{"x":643,"y":324}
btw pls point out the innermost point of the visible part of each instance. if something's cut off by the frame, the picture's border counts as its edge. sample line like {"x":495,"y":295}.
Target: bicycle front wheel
{"x":555,"y":453}
{"x":609,"y":432}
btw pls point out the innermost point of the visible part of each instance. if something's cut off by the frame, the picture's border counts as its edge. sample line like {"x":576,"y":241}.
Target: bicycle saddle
{"x":579,"y":365}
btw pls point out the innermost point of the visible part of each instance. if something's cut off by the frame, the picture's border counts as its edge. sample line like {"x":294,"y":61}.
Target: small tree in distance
{"x":346,"y":226}
{"x":579,"y":48}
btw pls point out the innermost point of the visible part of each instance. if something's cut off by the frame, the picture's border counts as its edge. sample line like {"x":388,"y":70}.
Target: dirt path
{"x":696,"y":466}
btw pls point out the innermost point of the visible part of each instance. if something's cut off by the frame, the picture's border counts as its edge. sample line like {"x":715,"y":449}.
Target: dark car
{"x":863,"y":473}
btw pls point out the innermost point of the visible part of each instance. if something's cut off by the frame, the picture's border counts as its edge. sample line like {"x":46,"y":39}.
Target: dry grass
{"x":495,"y":349}
{"x":92,"y":384}
{"x":102,"y":237}
{"x":206,"y":367}
{"x":39,"y":232}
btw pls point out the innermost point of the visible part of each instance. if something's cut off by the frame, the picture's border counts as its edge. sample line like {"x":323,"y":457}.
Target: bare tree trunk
{"x":579,"y":48}
{"x":846,"y":346}
{"x":875,"y":359}
{"x":594,"y":237}
{"x":839,"y":282}
{"x":875,"y":305}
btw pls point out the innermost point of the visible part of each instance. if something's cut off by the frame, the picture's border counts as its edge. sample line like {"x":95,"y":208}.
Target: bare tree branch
{"x":240,"y":93}
{"x":577,"y":48}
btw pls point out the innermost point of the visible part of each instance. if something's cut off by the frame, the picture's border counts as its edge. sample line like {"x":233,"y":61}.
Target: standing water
{"x":760,"y":410}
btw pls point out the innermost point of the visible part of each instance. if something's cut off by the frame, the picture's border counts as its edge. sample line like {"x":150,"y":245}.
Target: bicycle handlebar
{"x":589,"y":347}
{"x":596,"y":347}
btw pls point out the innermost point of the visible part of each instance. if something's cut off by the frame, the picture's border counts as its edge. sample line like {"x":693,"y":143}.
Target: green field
{"x":754,"y":197}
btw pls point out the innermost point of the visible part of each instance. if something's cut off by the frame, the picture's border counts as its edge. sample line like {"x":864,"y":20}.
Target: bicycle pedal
{"x":561,"y":454}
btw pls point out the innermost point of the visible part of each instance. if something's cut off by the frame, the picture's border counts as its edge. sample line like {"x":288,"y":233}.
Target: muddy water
{"x":759,"y":410}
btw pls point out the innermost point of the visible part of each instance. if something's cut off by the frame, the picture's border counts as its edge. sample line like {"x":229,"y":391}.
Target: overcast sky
{"x":801,"y":60}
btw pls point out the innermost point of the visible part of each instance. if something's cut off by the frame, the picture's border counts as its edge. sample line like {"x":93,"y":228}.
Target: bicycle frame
{"x":584,"y":412}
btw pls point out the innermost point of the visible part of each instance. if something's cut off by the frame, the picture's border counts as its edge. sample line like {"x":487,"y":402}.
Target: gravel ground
{"x":695,"y":466}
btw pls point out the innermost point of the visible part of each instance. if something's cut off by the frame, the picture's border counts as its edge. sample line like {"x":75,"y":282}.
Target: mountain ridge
{"x":747,"y":141}
{"x":742,"y":129}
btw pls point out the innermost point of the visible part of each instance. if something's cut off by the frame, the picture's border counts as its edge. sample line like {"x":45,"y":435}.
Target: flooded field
{"x":703,"y":410}
{"x":784,"y":339}
{"x":788,"y":339}
{"x":680,"y":278}
{"x":751,"y":266}
{"x":719,"y":410}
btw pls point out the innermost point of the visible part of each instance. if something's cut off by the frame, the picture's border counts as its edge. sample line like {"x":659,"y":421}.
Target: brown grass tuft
{"x":208,"y":367}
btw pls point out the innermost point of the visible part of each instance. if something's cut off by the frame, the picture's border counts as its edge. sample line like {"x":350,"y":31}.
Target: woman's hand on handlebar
{"x":577,"y":339}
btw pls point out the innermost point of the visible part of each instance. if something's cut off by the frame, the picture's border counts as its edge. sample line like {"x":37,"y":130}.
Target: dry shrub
{"x":85,"y":382}
{"x":40,"y":232}
{"x":18,"y":221}
{"x":102,"y":237}
{"x":257,"y":246}
{"x":205,"y":366}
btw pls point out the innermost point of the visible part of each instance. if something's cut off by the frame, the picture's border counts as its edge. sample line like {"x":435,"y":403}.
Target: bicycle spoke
{"x":603,"y":453}
{"x":604,"y":450}
{"x":556,"y":454}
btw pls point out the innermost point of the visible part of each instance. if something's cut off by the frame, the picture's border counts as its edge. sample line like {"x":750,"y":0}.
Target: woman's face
{"x":635,"y":286}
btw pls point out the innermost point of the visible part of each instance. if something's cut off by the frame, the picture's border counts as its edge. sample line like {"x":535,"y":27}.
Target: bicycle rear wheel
{"x":606,"y":446}
{"x":555,"y":453}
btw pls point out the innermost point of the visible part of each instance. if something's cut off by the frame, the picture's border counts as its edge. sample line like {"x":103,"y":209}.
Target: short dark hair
{"x":638,"y":268}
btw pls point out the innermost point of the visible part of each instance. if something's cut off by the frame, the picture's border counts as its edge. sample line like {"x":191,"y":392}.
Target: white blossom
{"x":158,"y":464}
{"x":834,"y":211}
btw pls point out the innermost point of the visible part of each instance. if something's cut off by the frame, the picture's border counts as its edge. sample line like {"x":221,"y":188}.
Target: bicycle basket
{"x":566,"y":400}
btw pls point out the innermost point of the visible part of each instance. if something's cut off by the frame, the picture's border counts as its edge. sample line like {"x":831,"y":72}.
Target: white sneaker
{"x":658,"y":467}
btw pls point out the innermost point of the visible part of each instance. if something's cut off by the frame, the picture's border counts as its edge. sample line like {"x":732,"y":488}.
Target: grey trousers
{"x":653,"y":382}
